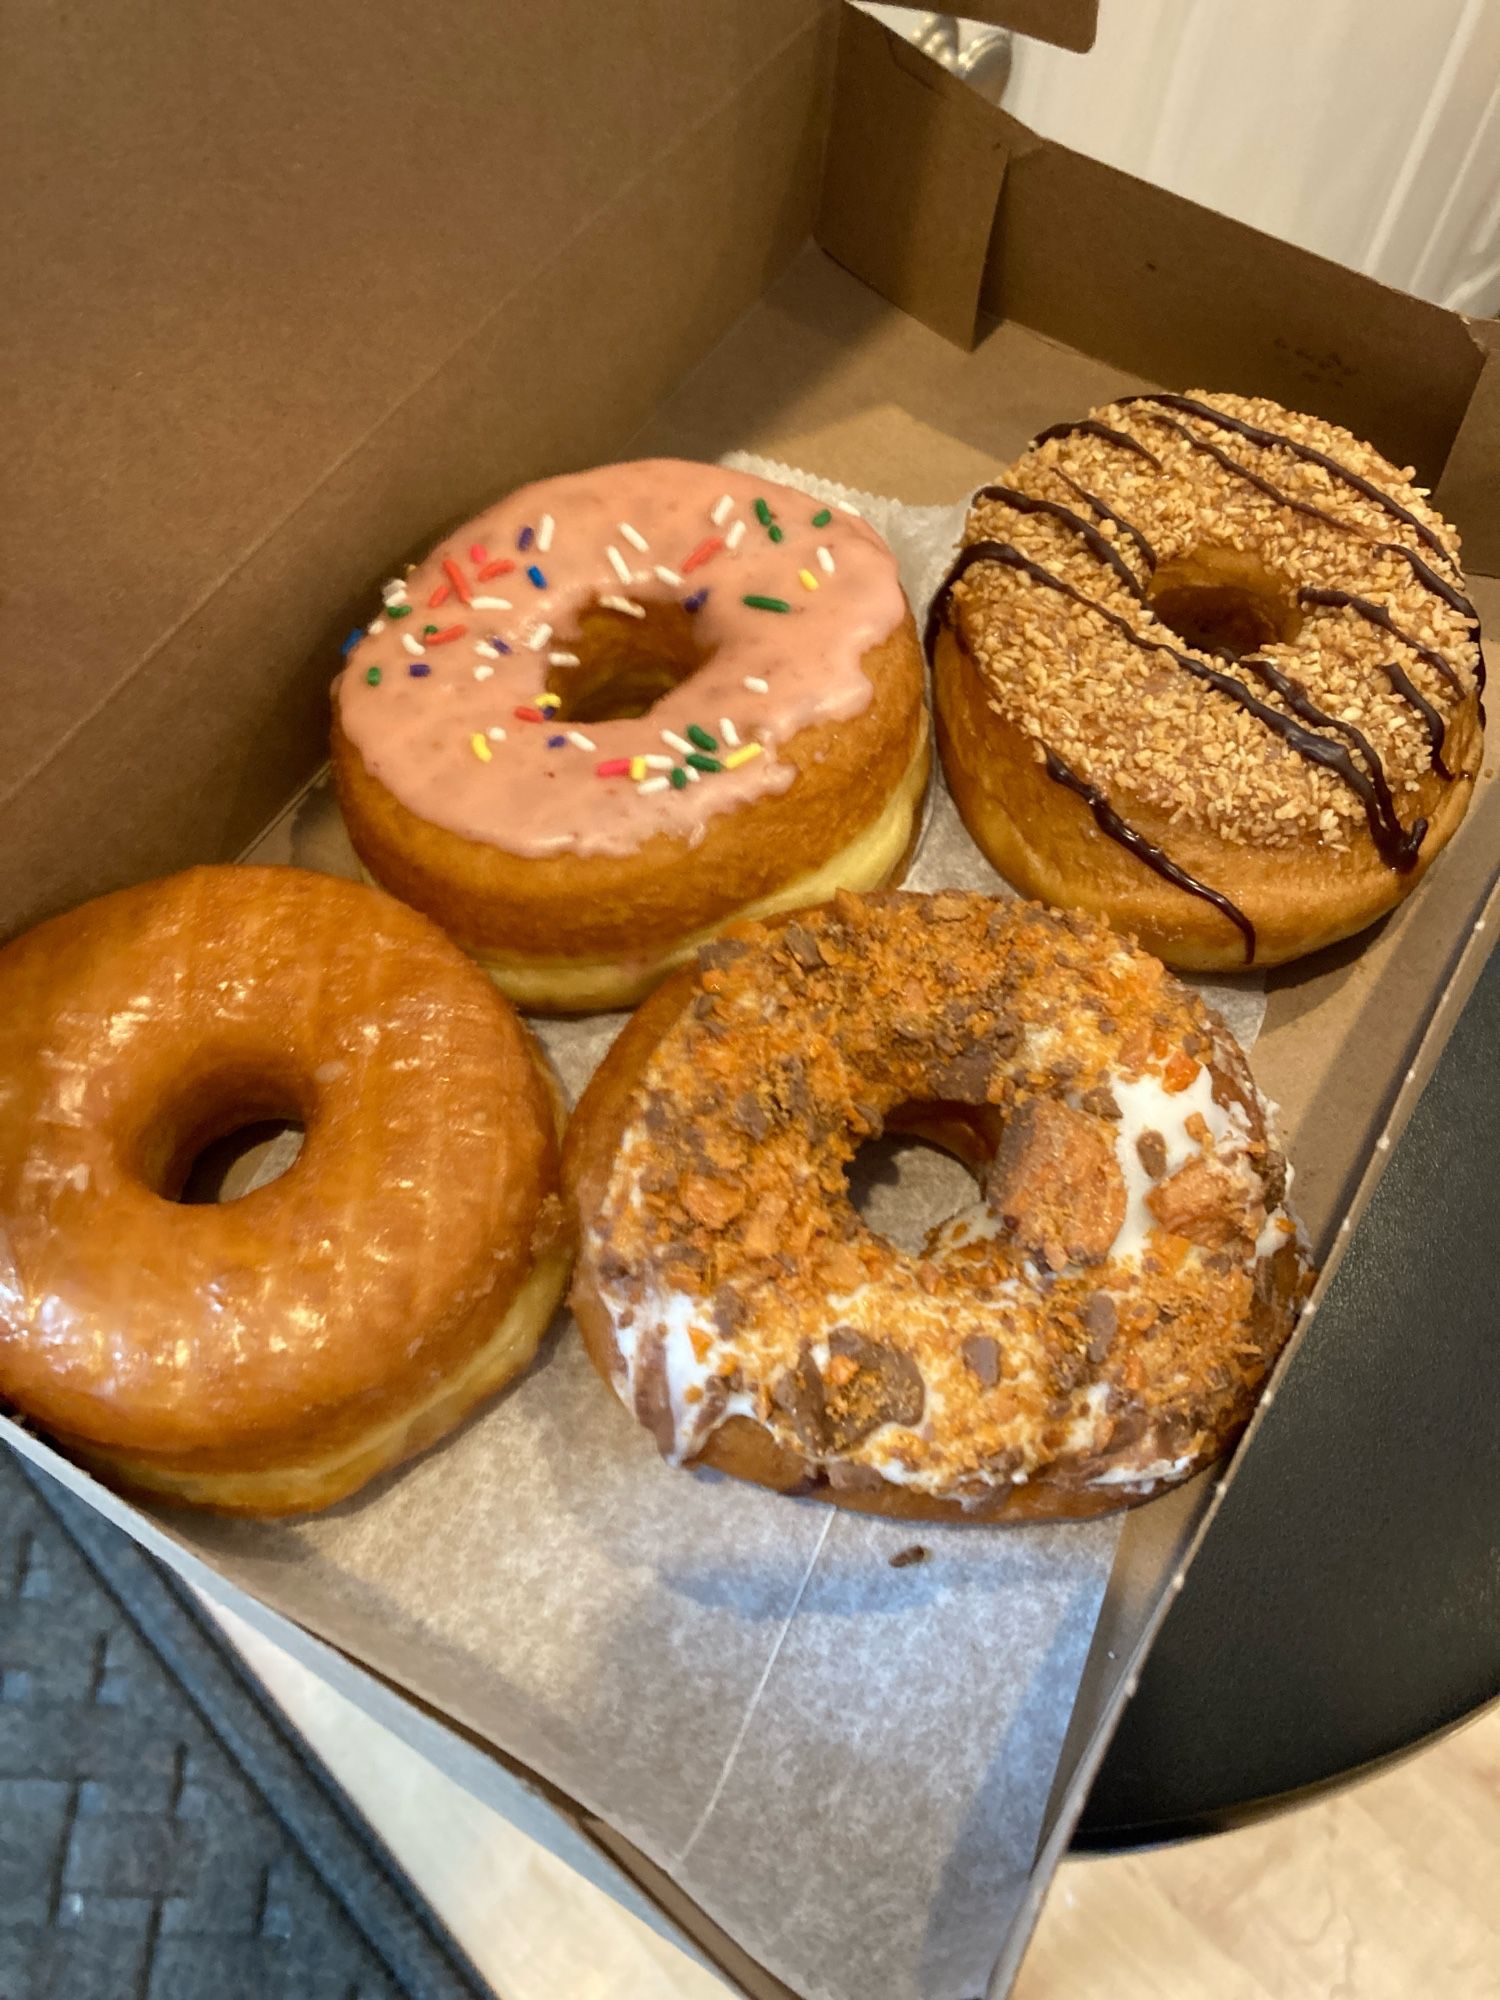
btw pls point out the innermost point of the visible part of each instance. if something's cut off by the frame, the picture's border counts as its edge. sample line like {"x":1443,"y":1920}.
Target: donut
{"x":625,"y":707}
{"x":1207,"y":669}
{"x":271,"y":1354}
{"x":1092,"y":1329}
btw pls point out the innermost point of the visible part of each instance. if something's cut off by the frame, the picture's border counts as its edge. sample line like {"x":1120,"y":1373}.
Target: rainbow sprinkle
{"x":419,"y":670}
{"x":735,"y":535}
{"x":397,"y":610}
{"x":456,"y":577}
{"x":702,"y":554}
{"x":757,"y":686}
{"x":372,"y":677}
{"x":698,"y":762}
{"x":825,"y":561}
{"x":637,"y":768}
{"x":480,"y":748}
{"x":722,"y":508}
{"x":700,"y":738}
{"x":478,"y":553}
{"x":613,"y":767}
{"x":536,"y":577}
{"x":634,"y":536}
{"x":741,"y":756}
{"x":758,"y":603}
{"x":544,"y":533}
{"x":697,"y":601}
{"x":526,"y":713}
{"x":679,"y":778}
{"x":822,"y":518}
{"x":525,"y":539}
{"x":807,"y":579}
{"x":649,"y":785}
{"x":618,"y":564}
{"x":557,"y":742}
{"x":351,"y":642}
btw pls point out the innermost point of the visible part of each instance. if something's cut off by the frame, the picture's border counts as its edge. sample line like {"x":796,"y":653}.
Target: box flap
{"x":1133,"y":274}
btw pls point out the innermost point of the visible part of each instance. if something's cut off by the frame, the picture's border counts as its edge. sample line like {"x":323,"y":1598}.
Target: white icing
{"x":1146,"y":1106}
{"x":1143,"y":1475}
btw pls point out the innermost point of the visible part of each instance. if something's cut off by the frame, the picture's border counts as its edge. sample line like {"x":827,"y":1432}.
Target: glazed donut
{"x":1092,"y":1331}
{"x":1207,"y":669}
{"x":621,"y":709}
{"x":271,"y":1354}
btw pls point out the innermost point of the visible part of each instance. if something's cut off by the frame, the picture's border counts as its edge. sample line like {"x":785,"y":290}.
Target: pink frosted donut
{"x":624,"y":708}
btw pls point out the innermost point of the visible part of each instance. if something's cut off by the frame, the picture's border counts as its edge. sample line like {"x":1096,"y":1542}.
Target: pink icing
{"x":416,"y":734}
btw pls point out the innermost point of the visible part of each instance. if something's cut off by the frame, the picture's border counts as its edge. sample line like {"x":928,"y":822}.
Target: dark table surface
{"x":1346,"y":1604}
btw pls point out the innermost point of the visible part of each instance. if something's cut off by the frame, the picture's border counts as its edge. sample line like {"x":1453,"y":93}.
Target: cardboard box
{"x":304,"y":287}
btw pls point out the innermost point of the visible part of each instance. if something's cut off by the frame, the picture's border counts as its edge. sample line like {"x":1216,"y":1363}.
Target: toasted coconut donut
{"x":271,"y":1354}
{"x":1207,"y":669}
{"x":624,"y":707}
{"x":1091,"y":1332}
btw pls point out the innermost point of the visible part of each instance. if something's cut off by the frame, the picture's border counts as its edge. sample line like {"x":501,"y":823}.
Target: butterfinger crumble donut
{"x":1091,"y":1331}
{"x":270,"y":1354}
{"x":1207,"y":668}
{"x":624,"y":707}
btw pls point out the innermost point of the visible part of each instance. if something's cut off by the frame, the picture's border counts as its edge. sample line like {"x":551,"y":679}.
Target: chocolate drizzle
{"x":1376,"y":614}
{"x":1400,"y":680}
{"x":1107,"y":513}
{"x":1397,"y":846}
{"x":1091,"y":427}
{"x":1156,"y":858}
{"x":1190,"y":406}
{"x":1027,"y":503}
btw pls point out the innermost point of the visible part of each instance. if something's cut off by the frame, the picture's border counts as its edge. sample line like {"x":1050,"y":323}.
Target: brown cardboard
{"x":254,"y":387}
{"x":274,"y":337}
{"x":1130,"y":273}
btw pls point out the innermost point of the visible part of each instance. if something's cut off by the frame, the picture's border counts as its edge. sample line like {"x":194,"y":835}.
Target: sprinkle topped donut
{"x":625,"y":707}
{"x":473,"y":697}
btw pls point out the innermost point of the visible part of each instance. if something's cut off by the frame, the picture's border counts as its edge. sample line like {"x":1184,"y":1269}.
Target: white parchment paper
{"x":844,"y":1763}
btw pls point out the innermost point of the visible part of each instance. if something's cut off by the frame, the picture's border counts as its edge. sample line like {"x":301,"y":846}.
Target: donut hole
{"x":624,"y":664}
{"x":922,"y":1171}
{"x":1225,"y":601}
{"x":221,"y":1136}
{"x":239,"y":1162}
